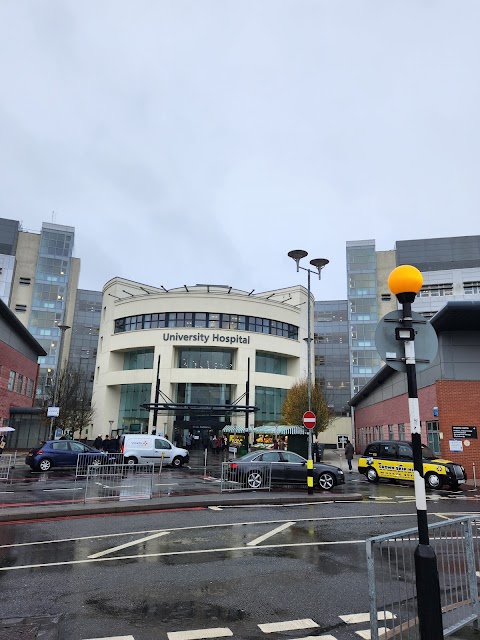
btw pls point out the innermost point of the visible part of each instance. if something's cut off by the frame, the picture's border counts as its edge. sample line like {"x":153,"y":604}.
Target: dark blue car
{"x":60,"y":453}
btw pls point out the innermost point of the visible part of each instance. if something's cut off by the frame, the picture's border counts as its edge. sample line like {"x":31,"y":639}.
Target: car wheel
{"x":254,"y":479}
{"x":177,"y":462}
{"x":45,"y":464}
{"x":433,"y":481}
{"x":131,"y":461}
{"x":372,"y":475}
{"x":326,"y":481}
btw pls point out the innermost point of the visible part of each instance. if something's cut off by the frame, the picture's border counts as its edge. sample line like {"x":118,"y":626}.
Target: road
{"x":151,"y":576}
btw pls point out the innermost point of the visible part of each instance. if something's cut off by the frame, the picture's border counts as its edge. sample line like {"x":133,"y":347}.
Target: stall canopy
{"x":276,"y":429}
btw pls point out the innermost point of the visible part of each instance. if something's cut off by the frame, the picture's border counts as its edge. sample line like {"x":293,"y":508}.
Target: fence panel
{"x":391,"y":578}
{"x":7,"y":464}
{"x":85,"y":460}
{"x":119,"y":482}
{"x":246,"y":476}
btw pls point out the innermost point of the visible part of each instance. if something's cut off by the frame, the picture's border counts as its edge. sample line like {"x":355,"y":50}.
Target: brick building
{"x":18,"y":366}
{"x":448,"y":392}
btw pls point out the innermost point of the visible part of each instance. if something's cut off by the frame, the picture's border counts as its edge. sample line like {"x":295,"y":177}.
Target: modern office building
{"x":84,"y":333}
{"x":39,"y":285}
{"x":202,"y":344}
{"x":451,"y":272}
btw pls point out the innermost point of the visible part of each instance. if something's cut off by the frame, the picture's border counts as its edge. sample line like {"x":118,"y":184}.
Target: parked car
{"x":287,"y":467}
{"x":61,"y":453}
{"x":147,"y":448}
{"x":393,"y":460}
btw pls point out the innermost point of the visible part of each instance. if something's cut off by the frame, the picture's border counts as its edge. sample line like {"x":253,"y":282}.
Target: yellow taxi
{"x":393,"y":460}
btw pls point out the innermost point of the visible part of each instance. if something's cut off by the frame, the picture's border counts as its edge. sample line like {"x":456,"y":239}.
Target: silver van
{"x":138,"y":449}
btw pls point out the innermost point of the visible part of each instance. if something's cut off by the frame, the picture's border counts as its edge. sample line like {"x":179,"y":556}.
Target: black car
{"x":286,"y":467}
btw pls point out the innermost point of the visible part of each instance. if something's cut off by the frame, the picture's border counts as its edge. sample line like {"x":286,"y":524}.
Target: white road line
{"x":316,"y":638}
{"x":67,"y":489}
{"x":215,"y":508}
{"x":234,"y":524}
{"x":181,"y":553}
{"x":166,"y":484}
{"x":288,"y":625}
{"x":199,"y":634}
{"x":367,"y":635}
{"x":7,"y":491}
{"x":439,"y":515}
{"x":115,"y":638}
{"x":355,"y":618}
{"x":269,"y":534}
{"x":127,"y":544}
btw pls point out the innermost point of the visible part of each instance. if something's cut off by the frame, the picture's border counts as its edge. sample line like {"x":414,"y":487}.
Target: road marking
{"x":199,"y":634}
{"x":7,"y":491}
{"x":478,"y":574}
{"x":115,"y":638}
{"x":215,"y":508}
{"x":127,"y":544}
{"x":288,"y":625}
{"x":166,"y":484}
{"x":355,"y":618}
{"x":367,"y":635}
{"x":379,"y":498}
{"x":316,"y":638}
{"x":439,"y":515}
{"x":234,"y":524}
{"x":74,"y":489}
{"x":270,"y":534}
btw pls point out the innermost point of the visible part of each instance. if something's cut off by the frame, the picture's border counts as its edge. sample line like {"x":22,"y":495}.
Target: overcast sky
{"x":198,"y":141}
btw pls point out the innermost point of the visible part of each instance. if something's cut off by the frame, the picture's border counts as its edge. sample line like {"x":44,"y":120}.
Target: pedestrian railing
{"x":85,"y":460}
{"x":119,"y":482}
{"x":243,"y":476}
{"x":7,"y":464}
{"x":391,"y":578}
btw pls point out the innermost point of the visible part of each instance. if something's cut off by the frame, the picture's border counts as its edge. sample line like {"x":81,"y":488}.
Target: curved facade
{"x":199,"y":340}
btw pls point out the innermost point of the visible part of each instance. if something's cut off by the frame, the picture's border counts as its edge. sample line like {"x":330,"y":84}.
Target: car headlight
{"x":340,"y":472}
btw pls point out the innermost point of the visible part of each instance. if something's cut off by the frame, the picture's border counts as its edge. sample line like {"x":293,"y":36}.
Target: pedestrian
{"x":349,"y":452}
{"x":205,"y":440}
{"x":275,"y":443}
{"x":3,"y":442}
{"x":188,"y":441}
{"x":315,"y":452}
{"x":281,"y":444}
{"x":213,"y":444}
{"x":106,"y":443}
{"x":225,"y":442}
{"x":97,"y":443}
{"x":219,"y":444}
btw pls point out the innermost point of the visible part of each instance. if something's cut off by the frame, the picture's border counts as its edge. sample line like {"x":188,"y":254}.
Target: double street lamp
{"x":318,"y":264}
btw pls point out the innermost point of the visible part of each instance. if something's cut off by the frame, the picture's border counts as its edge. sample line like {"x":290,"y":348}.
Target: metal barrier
{"x":242,"y":476}
{"x":119,"y":482}
{"x":85,"y":460}
{"x":391,"y":578}
{"x":7,"y":464}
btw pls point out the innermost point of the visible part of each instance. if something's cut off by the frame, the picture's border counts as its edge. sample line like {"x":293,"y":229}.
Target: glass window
{"x":390,"y":432}
{"x":270,"y":456}
{"x":19,"y":383}
{"x":388,"y":451}
{"x":198,"y":393}
{"x":270,"y":401}
{"x":131,"y":412}
{"x":139,"y":359}
{"x":61,"y":445}
{"x":160,"y":443}
{"x":289,"y":456}
{"x":201,"y":320}
{"x":401,"y":431}
{"x":372,"y":450}
{"x":405,"y":451}
{"x":76,"y":446}
{"x":197,"y":358}
{"x":11,"y":381}
{"x":271,"y":363}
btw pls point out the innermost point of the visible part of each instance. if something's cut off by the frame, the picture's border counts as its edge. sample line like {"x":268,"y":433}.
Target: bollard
{"x":205,"y":463}
{"x":474,"y":477}
{"x":161,"y":464}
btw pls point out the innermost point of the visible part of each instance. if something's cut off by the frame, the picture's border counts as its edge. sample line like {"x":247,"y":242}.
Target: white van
{"x":146,"y":448}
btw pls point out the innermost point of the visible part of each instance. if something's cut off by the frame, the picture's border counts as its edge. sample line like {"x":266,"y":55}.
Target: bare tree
{"x":73,"y":399}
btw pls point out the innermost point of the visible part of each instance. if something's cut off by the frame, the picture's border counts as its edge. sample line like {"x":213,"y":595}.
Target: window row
{"x":206,"y":320}
{"x":435,"y":290}
{"x":470,"y":288}
{"x":20,"y":384}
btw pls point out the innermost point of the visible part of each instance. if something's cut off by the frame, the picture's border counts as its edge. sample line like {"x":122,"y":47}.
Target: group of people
{"x":107,"y":444}
{"x":218,"y":444}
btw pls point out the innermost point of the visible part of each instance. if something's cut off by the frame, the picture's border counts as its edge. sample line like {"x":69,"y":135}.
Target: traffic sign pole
{"x":309,"y":421}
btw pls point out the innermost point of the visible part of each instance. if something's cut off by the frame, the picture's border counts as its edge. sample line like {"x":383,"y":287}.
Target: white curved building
{"x":199,"y":338}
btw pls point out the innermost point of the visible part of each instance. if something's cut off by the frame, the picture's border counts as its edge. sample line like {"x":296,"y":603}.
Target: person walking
{"x":349,"y":452}
{"x":3,"y":442}
{"x":97,"y":443}
{"x":188,"y":441}
{"x":213,"y":443}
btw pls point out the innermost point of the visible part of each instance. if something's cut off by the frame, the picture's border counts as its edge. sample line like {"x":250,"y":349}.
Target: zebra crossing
{"x":305,"y":624}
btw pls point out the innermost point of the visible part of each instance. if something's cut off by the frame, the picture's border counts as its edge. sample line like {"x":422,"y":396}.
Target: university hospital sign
{"x":205,"y":337}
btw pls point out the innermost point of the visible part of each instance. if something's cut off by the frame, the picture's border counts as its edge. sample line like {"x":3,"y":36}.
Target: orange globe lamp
{"x":405,"y":282}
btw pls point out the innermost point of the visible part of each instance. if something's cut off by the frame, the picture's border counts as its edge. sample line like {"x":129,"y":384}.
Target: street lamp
{"x":405,"y":282}
{"x":63,"y":328}
{"x":318,"y":264}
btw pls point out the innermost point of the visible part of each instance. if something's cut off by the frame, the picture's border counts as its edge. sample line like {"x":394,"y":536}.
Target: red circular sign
{"x":309,"y":419}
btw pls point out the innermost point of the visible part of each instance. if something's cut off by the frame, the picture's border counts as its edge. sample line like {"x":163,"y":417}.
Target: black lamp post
{"x":318,"y":264}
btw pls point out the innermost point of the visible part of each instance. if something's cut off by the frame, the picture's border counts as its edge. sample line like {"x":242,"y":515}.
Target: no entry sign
{"x":309,"y":419}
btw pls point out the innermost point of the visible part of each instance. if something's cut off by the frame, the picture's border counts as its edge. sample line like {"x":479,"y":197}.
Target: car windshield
{"x":428,"y":453}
